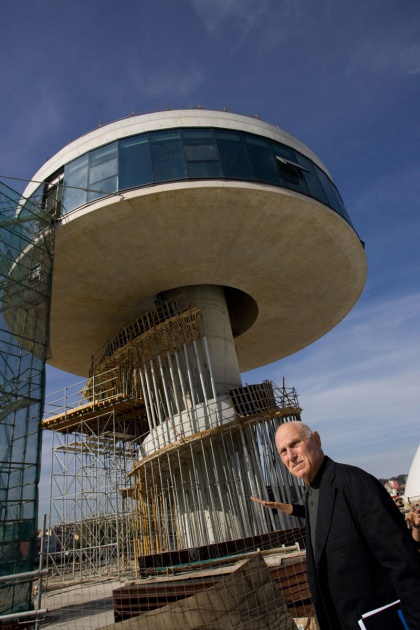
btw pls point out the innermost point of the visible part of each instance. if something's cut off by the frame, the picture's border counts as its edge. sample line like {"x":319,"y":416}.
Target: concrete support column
{"x":215,"y":326}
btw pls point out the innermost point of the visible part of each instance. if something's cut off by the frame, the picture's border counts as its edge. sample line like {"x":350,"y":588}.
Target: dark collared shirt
{"x":313,"y":499}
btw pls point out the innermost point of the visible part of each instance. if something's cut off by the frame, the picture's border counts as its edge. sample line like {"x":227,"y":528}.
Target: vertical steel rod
{"x":174,"y":384}
{"x":146,"y":401}
{"x":156,"y":390}
{"x":213,"y":384}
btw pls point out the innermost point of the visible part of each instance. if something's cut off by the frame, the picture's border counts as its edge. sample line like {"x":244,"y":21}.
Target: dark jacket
{"x":364,"y":554}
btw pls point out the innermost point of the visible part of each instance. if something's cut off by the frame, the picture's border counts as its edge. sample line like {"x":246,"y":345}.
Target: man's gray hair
{"x":307,"y":432}
{"x":303,"y":428}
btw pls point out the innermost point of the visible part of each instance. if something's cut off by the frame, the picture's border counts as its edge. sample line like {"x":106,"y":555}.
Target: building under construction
{"x":189,"y":247}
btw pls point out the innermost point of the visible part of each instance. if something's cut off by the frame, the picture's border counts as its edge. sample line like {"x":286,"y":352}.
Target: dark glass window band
{"x":194,"y":153}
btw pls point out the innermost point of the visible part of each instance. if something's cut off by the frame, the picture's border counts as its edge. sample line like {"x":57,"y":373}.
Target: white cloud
{"x":385,"y":53}
{"x":410,"y":59}
{"x":243,"y":13}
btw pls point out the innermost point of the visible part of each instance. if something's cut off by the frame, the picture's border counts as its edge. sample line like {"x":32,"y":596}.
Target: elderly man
{"x":360,"y":555}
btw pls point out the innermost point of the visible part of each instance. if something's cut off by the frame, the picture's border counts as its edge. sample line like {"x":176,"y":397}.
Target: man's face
{"x":301,"y":455}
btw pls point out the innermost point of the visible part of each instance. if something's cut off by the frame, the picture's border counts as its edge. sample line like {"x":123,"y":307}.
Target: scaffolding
{"x":94,"y":425}
{"x":147,"y":459}
{"x":26,"y":246}
{"x":195,"y":491}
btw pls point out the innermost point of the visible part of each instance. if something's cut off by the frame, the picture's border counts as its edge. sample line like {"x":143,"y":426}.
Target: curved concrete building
{"x":173,"y":199}
{"x":191,"y":246}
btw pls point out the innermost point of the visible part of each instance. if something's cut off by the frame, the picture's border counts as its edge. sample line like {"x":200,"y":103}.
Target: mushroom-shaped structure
{"x":175,"y":199}
{"x":191,"y":246}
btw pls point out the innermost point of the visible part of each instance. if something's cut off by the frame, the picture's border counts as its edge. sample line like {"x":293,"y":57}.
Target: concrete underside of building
{"x":298,"y":260}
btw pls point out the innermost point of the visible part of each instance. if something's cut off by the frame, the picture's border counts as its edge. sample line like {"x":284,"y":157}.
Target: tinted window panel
{"x":198,"y":152}
{"x":76,"y":172}
{"x":339,"y":197}
{"x":167,"y":156}
{"x":102,"y":171}
{"x":198,"y":136}
{"x":204,"y":170}
{"x":283,"y":151}
{"x":73,"y":199}
{"x":340,"y":202}
{"x":311,"y":178}
{"x":262,"y":160}
{"x":75,"y":183}
{"x":54,"y":195}
{"x":103,"y":154}
{"x":291,"y":175}
{"x":199,"y":145}
{"x":233,"y":155}
{"x":103,"y":187}
{"x":328,"y":189}
{"x":135,"y":164}
{"x":333,"y":200}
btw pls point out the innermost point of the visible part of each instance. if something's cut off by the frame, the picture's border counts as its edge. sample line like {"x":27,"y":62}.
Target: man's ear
{"x":317,"y":438}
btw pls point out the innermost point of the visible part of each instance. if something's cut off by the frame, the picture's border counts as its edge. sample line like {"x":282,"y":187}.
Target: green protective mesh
{"x":26,"y":241}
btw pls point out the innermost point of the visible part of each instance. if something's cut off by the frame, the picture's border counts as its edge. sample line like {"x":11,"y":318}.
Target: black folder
{"x":389,"y":616}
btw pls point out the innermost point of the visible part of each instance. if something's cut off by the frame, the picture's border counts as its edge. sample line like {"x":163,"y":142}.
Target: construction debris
{"x":247,"y":599}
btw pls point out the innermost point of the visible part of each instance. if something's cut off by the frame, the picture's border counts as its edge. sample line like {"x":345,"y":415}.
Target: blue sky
{"x":342,"y":76}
